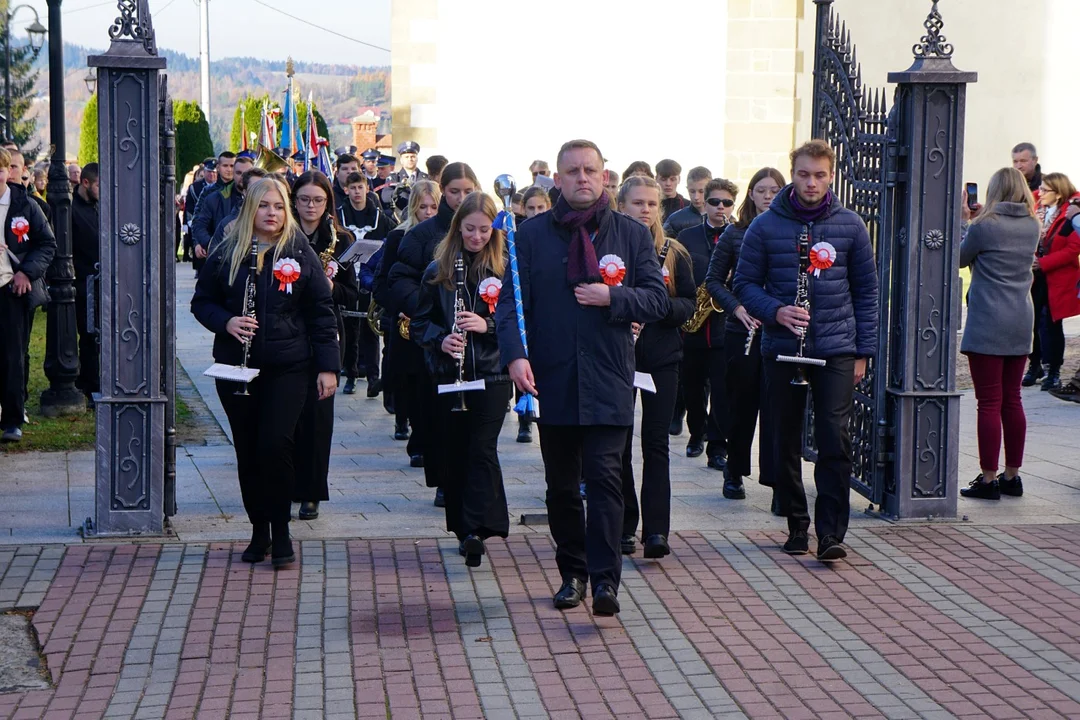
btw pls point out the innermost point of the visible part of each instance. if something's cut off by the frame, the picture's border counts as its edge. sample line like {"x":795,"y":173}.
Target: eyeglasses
{"x":717,"y":202}
{"x":310,"y":201}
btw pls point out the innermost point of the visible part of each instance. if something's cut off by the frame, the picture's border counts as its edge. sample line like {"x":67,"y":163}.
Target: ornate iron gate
{"x":898,"y":170}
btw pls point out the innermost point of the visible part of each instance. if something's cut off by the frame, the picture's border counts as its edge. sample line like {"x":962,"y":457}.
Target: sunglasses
{"x":717,"y":202}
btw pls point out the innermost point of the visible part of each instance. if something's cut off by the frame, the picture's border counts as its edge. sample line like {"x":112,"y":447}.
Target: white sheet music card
{"x":235,"y":373}
{"x":455,"y":387}
{"x":644,"y":381}
{"x":360,"y":251}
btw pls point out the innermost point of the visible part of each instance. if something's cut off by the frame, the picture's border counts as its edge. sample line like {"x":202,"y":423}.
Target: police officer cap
{"x":386,"y":161}
{"x":210,"y":164}
{"x":245,"y":154}
{"x":341,"y":151}
{"x":371,"y":154}
{"x":281,"y":151}
{"x":299,"y":155}
{"x":408,"y":147}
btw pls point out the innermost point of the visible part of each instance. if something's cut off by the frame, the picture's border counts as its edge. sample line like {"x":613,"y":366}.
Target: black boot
{"x":350,"y":386}
{"x":1033,"y":375}
{"x":524,"y":430}
{"x":401,"y":431}
{"x":1052,"y":381}
{"x":259,"y":545}
{"x":281,"y":553}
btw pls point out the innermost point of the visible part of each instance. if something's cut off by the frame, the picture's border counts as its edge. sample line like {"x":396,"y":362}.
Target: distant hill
{"x":339,"y":90}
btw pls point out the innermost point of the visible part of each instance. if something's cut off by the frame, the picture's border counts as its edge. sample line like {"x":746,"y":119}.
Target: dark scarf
{"x":1036,"y":179}
{"x":581,"y":265}
{"x":810,"y":215}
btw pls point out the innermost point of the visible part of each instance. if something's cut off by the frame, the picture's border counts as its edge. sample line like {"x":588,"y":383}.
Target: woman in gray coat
{"x":1000,"y":249}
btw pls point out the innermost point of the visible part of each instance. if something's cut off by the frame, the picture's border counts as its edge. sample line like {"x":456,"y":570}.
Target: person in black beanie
{"x":586,"y":273}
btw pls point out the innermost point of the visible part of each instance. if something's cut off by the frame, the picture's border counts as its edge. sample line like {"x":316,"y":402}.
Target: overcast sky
{"x":266,"y":33}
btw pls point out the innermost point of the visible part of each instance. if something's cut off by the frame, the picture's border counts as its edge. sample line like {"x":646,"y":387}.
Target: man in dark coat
{"x":808,"y":230}
{"x":191,"y":199}
{"x":218,"y":203}
{"x":85,"y":246}
{"x":28,"y":250}
{"x":586,"y":273}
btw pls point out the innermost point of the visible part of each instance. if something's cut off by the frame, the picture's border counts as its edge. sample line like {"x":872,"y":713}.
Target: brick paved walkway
{"x":922,"y":622}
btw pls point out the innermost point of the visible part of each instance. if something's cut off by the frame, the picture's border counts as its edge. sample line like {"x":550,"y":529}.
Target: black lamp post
{"x":61,"y":345}
{"x":36,"y":31}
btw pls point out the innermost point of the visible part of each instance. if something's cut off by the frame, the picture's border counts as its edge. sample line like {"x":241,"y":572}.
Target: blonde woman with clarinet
{"x":263,"y":294}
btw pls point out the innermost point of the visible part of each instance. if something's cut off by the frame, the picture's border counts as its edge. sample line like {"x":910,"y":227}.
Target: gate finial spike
{"x":933,"y":43}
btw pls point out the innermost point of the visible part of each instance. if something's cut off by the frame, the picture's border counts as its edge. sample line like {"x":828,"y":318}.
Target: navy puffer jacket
{"x":843,"y":299}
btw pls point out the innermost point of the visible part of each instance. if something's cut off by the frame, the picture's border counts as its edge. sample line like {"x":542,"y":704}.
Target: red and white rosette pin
{"x":489,"y":290}
{"x":612,"y":270}
{"x":287,"y":271}
{"x":332,"y":269}
{"x":666,"y":274}
{"x":822,"y":257}
{"x":21,"y":228}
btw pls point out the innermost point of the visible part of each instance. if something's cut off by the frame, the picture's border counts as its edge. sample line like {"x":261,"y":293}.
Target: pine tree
{"x":21,"y":125}
{"x":193,"y":143}
{"x":88,"y":132}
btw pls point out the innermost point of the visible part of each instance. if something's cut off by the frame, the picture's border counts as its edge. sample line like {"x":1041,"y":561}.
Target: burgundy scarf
{"x":809,"y":215}
{"x":581,"y":265}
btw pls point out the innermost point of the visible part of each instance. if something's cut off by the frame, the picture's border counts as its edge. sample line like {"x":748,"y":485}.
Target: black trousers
{"x":705,"y":395}
{"x":585,"y":546}
{"x":264,"y":431}
{"x":656,"y":413}
{"x":351,"y":347}
{"x":393,"y":374}
{"x":314,"y":438}
{"x":831,"y":387}
{"x":15,"y":332}
{"x":472,"y":480}
{"x":89,"y":351}
{"x":745,"y":396}
{"x":368,"y":347}
{"x":1049,"y":343}
{"x":419,"y":392}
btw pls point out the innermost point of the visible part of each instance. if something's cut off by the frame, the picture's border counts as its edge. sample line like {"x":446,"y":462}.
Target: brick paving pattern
{"x":922,"y":622}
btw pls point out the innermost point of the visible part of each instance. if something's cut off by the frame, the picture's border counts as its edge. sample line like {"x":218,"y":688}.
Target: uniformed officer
{"x":370,"y":158}
{"x":409,"y":155}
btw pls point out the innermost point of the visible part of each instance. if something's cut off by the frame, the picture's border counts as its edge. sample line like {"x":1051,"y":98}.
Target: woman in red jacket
{"x":1058,"y":270}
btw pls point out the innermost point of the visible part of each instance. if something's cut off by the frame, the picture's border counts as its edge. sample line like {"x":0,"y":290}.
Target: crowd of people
{"x":27,"y":250}
{"x":593,"y":288}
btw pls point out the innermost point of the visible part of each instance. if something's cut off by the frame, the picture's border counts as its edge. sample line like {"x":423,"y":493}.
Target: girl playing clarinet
{"x":292,"y":334}
{"x":473,"y":483}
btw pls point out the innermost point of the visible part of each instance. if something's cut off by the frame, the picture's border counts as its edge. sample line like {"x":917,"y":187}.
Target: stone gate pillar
{"x":925,"y":174}
{"x":131,"y":411}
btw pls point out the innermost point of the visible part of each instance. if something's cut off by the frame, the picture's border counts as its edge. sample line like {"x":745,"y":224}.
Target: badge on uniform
{"x":287,"y":271}
{"x":822,"y":257}
{"x":489,"y":290}
{"x":666,"y":274}
{"x":612,"y":270}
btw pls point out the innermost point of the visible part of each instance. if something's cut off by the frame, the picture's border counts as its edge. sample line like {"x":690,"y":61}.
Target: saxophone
{"x":704,"y":306}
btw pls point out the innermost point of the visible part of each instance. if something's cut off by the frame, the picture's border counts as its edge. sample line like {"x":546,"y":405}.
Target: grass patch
{"x":62,"y":434}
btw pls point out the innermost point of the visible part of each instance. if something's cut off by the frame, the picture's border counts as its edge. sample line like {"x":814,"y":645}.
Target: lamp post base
{"x":58,"y":401}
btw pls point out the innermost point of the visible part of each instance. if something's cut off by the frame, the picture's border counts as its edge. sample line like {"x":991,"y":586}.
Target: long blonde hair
{"x":1006,"y":185}
{"x":491,"y":259}
{"x":675,"y":249}
{"x":416,"y":195}
{"x":237,"y":243}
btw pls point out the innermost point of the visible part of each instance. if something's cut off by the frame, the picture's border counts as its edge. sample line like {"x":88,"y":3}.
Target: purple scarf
{"x":581,"y":264}
{"x":809,"y":215}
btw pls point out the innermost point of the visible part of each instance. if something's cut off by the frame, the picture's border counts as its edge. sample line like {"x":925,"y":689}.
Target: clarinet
{"x":459,"y":307}
{"x":662,"y":257}
{"x":249,"y":303}
{"x":802,"y":300}
{"x":749,"y":341}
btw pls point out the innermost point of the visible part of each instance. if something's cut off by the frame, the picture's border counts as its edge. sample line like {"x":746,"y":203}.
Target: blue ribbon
{"x":528,"y":405}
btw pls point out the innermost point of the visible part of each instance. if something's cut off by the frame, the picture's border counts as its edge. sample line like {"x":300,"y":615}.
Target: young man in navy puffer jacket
{"x":841,"y":328}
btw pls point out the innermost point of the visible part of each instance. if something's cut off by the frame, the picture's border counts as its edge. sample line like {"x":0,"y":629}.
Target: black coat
{"x":36,"y":252}
{"x":295,"y":329}
{"x":700,"y":245}
{"x":660,"y":344}
{"x":380,"y":288}
{"x":414,"y":254}
{"x":371,"y":216}
{"x":725,"y":259}
{"x":194,"y":190}
{"x":85,"y":233}
{"x":214,"y":206}
{"x":670,"y":206}
{"x":346,"y":289}
{"x":435,"y":318}
{"x":683,"y":219}
{"x":582,"y":357}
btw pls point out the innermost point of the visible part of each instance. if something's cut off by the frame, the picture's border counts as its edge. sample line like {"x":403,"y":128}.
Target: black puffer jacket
{"x":725,"y":259}
{"x":294,"y":328}
{"x":660,"y":343}
{"x":346,"y":289}
{"x":37,"y":251}
{"x":434,"y":319}
{"x":683,"y":219}
{"x":380,"y":287}
{"x":699,"y":242}
{"x":414,"y":254}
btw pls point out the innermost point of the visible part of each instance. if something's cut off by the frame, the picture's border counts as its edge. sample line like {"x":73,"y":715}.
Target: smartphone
{"x":973,"y":195}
